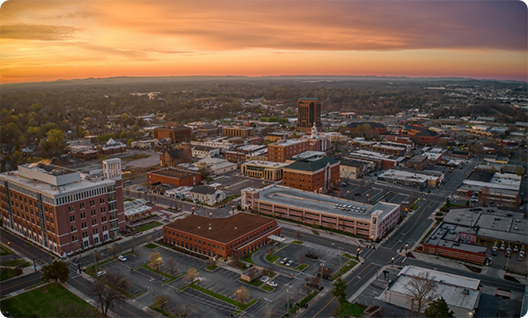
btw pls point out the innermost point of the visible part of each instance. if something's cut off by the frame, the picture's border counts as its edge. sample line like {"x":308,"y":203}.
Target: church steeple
{"x":314,"y":131}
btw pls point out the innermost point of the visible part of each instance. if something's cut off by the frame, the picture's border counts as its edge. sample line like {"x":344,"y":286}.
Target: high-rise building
{"x":63,"y":210}
{"x":308,"y":113}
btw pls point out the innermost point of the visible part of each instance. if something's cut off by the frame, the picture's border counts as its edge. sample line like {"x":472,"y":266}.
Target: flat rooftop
{"x":223,"y":230}
{"x":174,"y":173}
{"x":449,"y":286}
{"x":319,"y":202}
{"x":287,"y":142}
{"x":482,"y":176}
{"x":267,"y":164}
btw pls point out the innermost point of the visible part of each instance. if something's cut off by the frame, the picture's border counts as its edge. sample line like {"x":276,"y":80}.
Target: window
{"x":94,"y":222}
{"x":96,"y":240}
{"x":51,"y":220}
{"x":214,"y":246}
{"x":83,"y":215}
{"x":85,"y":234}
{"x":101,"y":200}
{"x":105,"y":228}
{"x":73,"y":228}
{"x":72,"y":218}
{"x":103,"y":209}
{"x":103,"y":219}
{"x":83,"y":225}
{"x":81,"y":206}
{"x":92,"y":203}
{"x":95,"y":231}
{"x":71,"y":208}
{"x":74,"y":238}
{"x":93,"y":213}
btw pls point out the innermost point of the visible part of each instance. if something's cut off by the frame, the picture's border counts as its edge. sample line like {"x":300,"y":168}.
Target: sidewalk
{"x":322,"y":233}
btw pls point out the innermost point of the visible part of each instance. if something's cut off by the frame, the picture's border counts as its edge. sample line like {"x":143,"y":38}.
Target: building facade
{"x":207,"y":195}
{"x":61,"y":210}
{"x":218,"y":238}
{"x":237,"y":131}
{"x":176,"y":134}
{"x":263,"y":169}
{"x":308,"y":113}
{"x":318,"y":175}
{"x":284,"y":150}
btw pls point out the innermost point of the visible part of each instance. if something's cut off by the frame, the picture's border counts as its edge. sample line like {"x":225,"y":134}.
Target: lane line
{"x":21,"y":284}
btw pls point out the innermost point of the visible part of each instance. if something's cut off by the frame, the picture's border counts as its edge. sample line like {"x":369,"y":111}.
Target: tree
{"x":161,"y":301}
{"x":106,"y":294}
{"x":421,"y":289}
{"x":58,"y":271}
{"x":156,"y":261}
{"x":340,"y":290}
{"x":302,"y":258}
{"x":173,"y":266}
{"x":127,"y":191}
{"x":448,"y":204}
{"x":439,"y":309}
{"x":185,"y":311}
{"x":132,"y":246}
{"x":242,"y":295}
{"x":191,"y":275}
{"x":115,"y":249}
{"x":148,"y":239}
{"x":97,"y":257}
{"x":298,"y":235}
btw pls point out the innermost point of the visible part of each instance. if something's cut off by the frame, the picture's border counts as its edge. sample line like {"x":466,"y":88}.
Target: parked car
{"x":488,"y":261}
{"x":516,"y":248}
{"x":494,"y":251}
{"x":139,"y":233}
{"x":521,"y":256}
{"x":122,"y":258}
{"x":290,"y":263}
{"x":508,"y":252}
{"x":283,"y":261}
{"x":140,"y":189}
{"x":272,"y":284}
{"x":101,"y":273}
{"x":264,"y":279}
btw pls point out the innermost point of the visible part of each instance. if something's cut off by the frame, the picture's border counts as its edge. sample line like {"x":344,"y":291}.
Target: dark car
{"x":494,"y":252}
{"x":488,"y":261}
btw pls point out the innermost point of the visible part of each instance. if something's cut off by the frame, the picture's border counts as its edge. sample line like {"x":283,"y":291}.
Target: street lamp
{"x":392,"y":262}
{"x":357,"y":253}
{"x":192,"y":210}
{"x":406,"y":247}
{"x":233,"y":209}
{"x":210,"y":215}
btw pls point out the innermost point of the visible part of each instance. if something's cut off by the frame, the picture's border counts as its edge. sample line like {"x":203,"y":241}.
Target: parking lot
{"x":362,"y":194}
{"x":512,"y":263}
{"x":232,"y":183}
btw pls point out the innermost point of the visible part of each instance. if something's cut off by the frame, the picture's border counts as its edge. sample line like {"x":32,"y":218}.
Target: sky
{"x":45,"y":40}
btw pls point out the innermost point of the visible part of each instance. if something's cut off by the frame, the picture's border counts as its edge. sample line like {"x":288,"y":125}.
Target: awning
{"x":277,"y":238}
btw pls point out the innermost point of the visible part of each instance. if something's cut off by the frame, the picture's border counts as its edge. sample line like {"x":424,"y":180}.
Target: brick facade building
{"x":61,"y":210}
{"x":173,"y":157}
{"x":285,"y":149}
{"x":317,"y":175}
{"x":237,"y":131}
{"x":241,"y":233}
{"x":308,"y":113}
{"x":176,"y":134}
{"x":174,"y":177}
{"x":420,"y":134}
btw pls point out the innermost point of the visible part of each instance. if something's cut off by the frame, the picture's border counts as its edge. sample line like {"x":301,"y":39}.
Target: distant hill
{"x":298,"y":78}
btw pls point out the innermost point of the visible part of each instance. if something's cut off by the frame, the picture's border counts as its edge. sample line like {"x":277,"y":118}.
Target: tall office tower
{"x":308,"y":113}
{"x":62,"y":210}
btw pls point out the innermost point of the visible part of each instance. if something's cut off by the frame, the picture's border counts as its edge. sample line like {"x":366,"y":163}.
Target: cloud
{"x":40,"y":32}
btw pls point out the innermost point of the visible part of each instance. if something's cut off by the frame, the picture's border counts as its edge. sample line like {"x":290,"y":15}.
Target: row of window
{"x":81,"y":195}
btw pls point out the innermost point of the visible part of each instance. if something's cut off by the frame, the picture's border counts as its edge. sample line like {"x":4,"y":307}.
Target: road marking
{"x":20,"y":284}
{"x":423,"y":210}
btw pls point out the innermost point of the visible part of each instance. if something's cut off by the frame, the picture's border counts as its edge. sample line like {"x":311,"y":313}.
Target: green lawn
{"x":15,"y":262}
{"x":211,"y":267}
{"x":298,"y":242}
{"x":248,"y":258}
{"x":223,"y":298}
{"x":345,"y":268}
{"x":268,"y":288}
{"x":256,"y":283}
{"x":41,"y":302}
{"x":301,"y":267}
{"x":271,"y":258}
{"x":351,"y":310}
{"x":5,"y":251}
{"x":149,"y":226}
{"x":315,"y":232}
{"x":7,"y":273}
{"x":350,"y":256}
{"x":151,"y":245}
{"x":163,"y":312}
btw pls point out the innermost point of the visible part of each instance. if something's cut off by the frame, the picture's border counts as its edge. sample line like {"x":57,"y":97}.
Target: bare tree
{"x":115,"y":249}
{"x":161,"y":301}
{"x":271,"y":250}
{"x":302,"y":258}
{"x":421,"y":290}
{"x":97,"y":257}
{"x":242,"y":295}
{"x":133,"y":246}
{"x":106,"y":294}
{"x":298,"y":235}
{"x":149,"y":239}
{"x":156,"y":261}
{"x":271,"y":313}
{"x":185,"y":311}
{"x":173,"y":266}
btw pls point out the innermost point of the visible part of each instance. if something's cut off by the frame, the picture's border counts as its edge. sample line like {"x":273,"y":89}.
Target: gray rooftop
{"x":320,"y":202}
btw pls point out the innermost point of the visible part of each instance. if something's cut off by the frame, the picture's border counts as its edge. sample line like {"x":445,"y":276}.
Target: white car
{"x":122,"y":258}
{"x":290,"y":263}
{"x":272,"y":284}
{"x":101,"y":273}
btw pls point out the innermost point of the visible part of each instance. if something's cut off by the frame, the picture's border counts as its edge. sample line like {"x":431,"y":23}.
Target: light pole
{"x":192,"y":210}
{"x":233,"y":209}
{"x":357,"y":253}
{"x":210,"y":215}
{"x":406,"y":247}
{"x":321,"y":277}
{"x":392,"y":262}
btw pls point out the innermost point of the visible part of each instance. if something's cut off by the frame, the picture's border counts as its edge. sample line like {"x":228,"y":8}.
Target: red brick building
{"x":174,"y":177}
{"x":176,"y":134}
{"x":308,"y":113}
{"x":61,"y":210}
{"x":380,"y":128}
{"x":317,"y":175}
{"x":241,"y":233}
{"x":284,"y":150}
{"x":172,"y":158}
{"x":235,"y":157}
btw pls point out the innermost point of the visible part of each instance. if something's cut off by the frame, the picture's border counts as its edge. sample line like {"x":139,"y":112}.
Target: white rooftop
{"x":267,"y":164}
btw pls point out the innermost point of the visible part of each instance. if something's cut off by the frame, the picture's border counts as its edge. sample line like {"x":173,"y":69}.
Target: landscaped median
{"x":345,"y":268}
{"x":228,"y":300}
{"x":258,"y":283}
{"x":170,"y":277}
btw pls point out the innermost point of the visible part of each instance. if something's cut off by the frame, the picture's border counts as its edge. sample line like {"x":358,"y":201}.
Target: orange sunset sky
{"x":48,"y":40}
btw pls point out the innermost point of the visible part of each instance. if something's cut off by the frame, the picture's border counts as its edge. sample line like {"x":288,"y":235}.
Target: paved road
{"x":23,"y":248}
{"x":20,"y":283}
